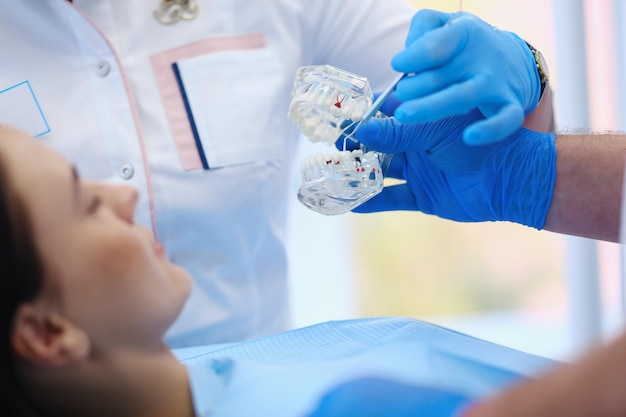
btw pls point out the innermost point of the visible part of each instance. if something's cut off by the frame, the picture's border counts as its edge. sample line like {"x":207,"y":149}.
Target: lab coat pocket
{"x":20,"y":108}
{"x":217,"y":98}
{"x":228,"y":97}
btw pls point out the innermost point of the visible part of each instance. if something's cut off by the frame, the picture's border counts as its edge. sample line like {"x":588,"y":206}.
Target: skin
{"x":65,"y":347}
{"x":542,"y":118}
{"x":592,"y":386}
{"x":586,"y":202}
{"x":96,"y":330}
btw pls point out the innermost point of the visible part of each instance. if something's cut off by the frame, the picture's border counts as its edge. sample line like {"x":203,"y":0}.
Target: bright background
{"x":501,"y":282}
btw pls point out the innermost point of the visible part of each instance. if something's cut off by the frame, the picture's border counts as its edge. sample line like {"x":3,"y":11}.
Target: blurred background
{"x":532,"y":290}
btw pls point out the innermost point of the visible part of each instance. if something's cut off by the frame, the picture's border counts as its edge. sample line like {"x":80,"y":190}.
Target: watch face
{"x":543,"y":66}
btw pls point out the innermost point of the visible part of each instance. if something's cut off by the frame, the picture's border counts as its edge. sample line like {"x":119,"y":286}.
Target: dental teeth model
{"x":335,"y":183}
{"x":325,"y":98}
{"x":324,"y":101}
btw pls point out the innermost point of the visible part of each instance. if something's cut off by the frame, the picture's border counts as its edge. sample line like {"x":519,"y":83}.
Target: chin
{"x":183,"y":282}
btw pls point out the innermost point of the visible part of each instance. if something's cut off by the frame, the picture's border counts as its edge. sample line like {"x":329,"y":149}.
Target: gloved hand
{"x":462,"y":63}
{"x":510,"y":180}
{"x":373,"y":397}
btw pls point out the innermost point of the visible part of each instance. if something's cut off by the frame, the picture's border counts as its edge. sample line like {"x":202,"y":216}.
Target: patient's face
{"x":103,"y":272}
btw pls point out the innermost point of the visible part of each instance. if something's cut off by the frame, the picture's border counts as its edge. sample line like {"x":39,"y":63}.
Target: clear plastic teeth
{"x":325,"y":99}
{"x":336,"y":183}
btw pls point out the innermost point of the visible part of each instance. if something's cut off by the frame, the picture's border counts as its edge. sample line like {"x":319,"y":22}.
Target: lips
{"x":159,"y":249}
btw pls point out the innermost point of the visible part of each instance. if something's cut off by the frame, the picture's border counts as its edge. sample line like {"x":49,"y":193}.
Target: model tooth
{"x":358,"y":110}
{"x":356,"y":154}
{"x":325,"y":133}
{"x":313,"y":161}
{"x":336,"y":111}
{"x":305,"y":94}
{"x":344,"y":111}
{"x":318,"y":99}
{"x":330,"y":98}
{"x":320,"y":132}
{"x":306,"y":128}
{"x":320,"y":93}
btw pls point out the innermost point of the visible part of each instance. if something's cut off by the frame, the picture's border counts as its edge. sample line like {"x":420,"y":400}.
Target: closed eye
{"x":94,"y":204}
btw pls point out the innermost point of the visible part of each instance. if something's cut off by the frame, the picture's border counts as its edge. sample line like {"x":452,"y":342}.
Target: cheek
{"x":105,"y":250}
{"x":117,"y":255}
{"x":112,"y":283}
{"x":128,"y":309}
{"x":109,"y":269}
{"x":128,"y":290}
{"x":127,"y":272}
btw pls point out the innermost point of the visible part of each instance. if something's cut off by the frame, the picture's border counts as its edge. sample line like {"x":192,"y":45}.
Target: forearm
{"x":588,"y":188}
{"x":591,"y":387}
{"x":542,"y":118}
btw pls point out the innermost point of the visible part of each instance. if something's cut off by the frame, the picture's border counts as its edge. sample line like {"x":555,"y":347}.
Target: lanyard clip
{"x":172,"y":11}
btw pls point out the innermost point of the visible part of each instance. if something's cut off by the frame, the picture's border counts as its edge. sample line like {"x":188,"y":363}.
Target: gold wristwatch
{"x":542,"y":68}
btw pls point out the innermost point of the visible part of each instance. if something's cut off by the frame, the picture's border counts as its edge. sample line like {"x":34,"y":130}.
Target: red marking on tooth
{"x":338,"y":102}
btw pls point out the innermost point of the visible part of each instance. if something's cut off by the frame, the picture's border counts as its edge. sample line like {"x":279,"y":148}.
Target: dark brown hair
{"x":21,"y":277}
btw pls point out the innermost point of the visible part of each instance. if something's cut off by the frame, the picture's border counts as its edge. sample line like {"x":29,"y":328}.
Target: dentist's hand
{"x":462,"y":63}
{"x":373,"y":397}
{"x":510,"y":180}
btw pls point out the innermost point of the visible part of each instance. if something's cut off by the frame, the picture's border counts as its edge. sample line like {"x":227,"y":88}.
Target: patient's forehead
{"x":35,"y":171}
{"x":8,"y":139}
{"x":6,"y":130}
{"x":11,"y":137}
{"x":17,"y":147}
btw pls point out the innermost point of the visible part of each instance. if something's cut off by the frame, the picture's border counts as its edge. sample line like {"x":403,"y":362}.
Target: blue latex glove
{"x":387,"y":109}
{"x":509,"y":180}
{"x":462,"y":63}
{"x":372,"y":397}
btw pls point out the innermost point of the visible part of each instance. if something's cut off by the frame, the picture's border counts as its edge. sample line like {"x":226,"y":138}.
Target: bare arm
{"x":588,"y":188}
{"x":593,"y":386}
{"x":586,"y":202}
{"x":542,"y":118}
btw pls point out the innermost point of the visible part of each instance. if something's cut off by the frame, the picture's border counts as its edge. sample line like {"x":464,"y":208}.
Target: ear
{"x":47,"y":338}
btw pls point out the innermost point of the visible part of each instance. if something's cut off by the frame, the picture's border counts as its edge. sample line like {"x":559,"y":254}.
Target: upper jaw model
{"x":324,"y":101}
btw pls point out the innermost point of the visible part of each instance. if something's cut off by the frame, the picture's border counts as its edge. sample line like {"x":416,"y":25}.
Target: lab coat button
{"x":103,"y":68}
{"x":127,"y":171}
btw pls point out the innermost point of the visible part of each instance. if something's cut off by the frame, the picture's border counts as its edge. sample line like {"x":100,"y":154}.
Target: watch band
{"x":542,"y":68}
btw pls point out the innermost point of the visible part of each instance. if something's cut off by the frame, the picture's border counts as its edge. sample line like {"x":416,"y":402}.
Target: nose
{"x":124,"y":201}
{"x":121,"y":199}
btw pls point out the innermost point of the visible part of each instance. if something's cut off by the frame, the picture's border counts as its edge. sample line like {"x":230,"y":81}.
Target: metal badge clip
{"x":172,"y":11}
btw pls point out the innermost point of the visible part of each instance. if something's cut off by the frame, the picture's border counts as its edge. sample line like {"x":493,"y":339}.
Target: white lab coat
{"x":95,"y":80}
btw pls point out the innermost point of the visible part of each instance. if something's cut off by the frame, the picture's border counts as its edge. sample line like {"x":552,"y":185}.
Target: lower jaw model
{"x":335,"y":183}
{"x":325,"y":100}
